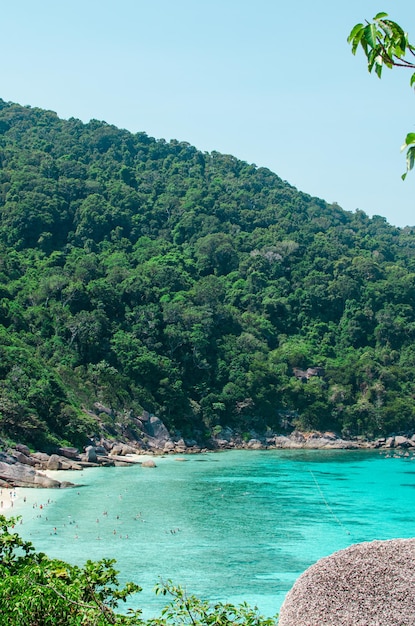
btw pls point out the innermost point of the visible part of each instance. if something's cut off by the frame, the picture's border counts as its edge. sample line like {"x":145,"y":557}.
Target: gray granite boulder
{"x":57,"y":462}
{"x":41,"y":457}
{"x":169,"y":446}
{"x":24,"y":458}
{"x":157,"y":432}
{"x":69,"y":453}
{"x":403,"y":442}
{"x":19,"y":475}
{"x":367,"y":584}
{"x":254,"y":444}
{"x":148,"y":463}
{"x":20,"y":447}
{"x":91,"y":455}
{"x":122,"y":449}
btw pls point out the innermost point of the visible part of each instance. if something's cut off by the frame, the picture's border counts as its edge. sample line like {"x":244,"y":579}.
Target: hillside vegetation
{"x":145,"y":275}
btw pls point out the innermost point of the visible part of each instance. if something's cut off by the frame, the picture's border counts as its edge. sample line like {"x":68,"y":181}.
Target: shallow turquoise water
{"x":232,"y":526}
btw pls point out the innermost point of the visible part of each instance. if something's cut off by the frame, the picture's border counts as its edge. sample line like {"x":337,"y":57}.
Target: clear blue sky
{"x":272,"y":83}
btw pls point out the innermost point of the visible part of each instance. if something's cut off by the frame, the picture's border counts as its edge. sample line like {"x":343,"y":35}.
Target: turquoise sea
{"x":230,"y":526}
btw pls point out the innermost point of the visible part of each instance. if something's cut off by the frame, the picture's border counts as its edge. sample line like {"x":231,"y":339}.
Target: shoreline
{"x":19,"y":467}
{"x":14,"y":498}
{"x":155,"y":456}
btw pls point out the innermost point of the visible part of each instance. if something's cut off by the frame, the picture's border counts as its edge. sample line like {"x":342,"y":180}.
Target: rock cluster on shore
{"x":228,"y":439}
{"x":19,"y":467}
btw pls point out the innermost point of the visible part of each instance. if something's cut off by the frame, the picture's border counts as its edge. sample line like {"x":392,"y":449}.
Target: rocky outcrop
{"x":26,"y":459}
{"x":19,"y":475}
{"x":305,"y":375}
{"x":254,"y":444}
{"x":122,"y":449}
{"x":91,"y":455}
{"x":227,"y":439}
{"x":314,"y":441}
{"x":56,"y":462}
{"x":69,"y":453}
{"x":158,"y":434}
{"x":41,"y":458}
{"x":397,"y":441}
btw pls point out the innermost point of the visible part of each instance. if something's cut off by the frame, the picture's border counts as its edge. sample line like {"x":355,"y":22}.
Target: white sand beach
{"x":12,"y":496}
{"x":8,"y":497}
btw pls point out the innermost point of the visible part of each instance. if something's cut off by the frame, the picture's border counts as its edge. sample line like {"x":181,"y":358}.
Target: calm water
{"x":232,"y":526}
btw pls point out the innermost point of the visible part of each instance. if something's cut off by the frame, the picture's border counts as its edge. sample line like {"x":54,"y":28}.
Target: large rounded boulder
{"x":367,"y":584}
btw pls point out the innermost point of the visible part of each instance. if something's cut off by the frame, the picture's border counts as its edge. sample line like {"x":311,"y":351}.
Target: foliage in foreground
{"x":36,"y":590}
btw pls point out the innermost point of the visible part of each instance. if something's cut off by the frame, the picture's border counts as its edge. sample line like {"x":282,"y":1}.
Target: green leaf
{"x":355,"y":30}
{"x":410,"y":158}
{"x":371,"y":59}
{"x":59,"y":573}
{"x":357,"y":40}
{"x":409,"y":140}
{"x":371,"y":34}
{"x":380,"y":16}
{"x":378,"y":68}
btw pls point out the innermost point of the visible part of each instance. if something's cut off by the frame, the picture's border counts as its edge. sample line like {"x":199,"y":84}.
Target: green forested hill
{"x":147,"y":275}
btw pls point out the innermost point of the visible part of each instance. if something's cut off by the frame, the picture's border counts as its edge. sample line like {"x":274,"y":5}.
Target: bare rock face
{"x":20,"y":447}
{"x":403,"y":442}
{"x":69,"y":453}
{"x":41,"y":457}
{"x":24,"y":458}
{"x":367,"y":584}
{"x":122,"y":449}
{"x":91,"y":455}
{"x":57,"y":462}
{"x":7,"y":458}
{"x":169,"y":447}
{"x":255,"y":444}
{"x":157,"y":431}
{"x":54,"y":462}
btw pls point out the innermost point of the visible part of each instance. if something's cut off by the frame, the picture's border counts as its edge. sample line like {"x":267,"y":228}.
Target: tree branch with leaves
{"x":386,"y":44}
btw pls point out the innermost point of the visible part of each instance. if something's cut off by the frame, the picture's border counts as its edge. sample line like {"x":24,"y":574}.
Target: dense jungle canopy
{"x":146,"y":275}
